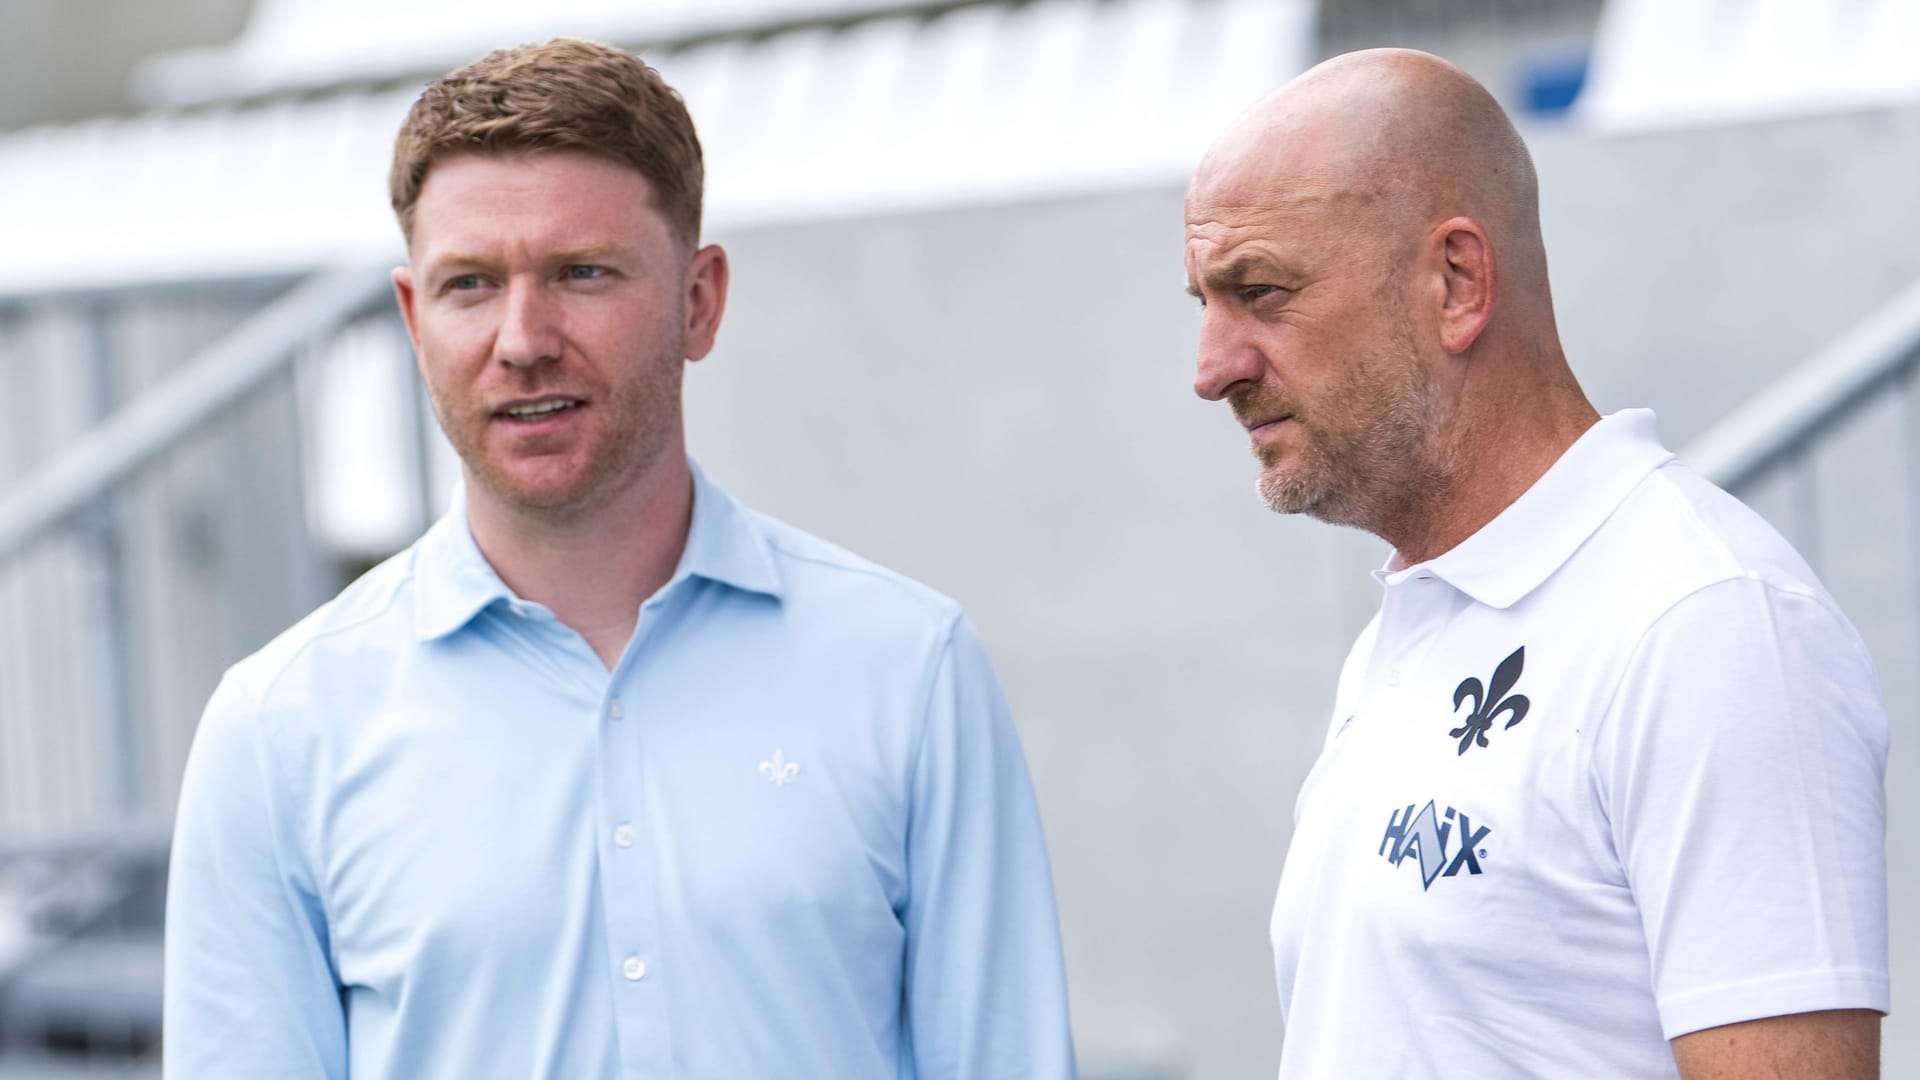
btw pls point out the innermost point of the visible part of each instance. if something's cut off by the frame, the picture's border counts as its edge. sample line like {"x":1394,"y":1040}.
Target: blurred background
{"x":957,"y":343}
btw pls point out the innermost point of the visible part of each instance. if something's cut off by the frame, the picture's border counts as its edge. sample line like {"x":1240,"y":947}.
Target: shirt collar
{"x":726,"y":543}
{"x":454,"y":582}
{"x":1519,"y":549}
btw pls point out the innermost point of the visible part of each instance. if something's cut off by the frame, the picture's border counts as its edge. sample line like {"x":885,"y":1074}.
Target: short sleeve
{"x":1741,"y":772}
{"x":249,"y":990}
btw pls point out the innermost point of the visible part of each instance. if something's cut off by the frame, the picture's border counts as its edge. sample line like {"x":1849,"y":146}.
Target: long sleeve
{"x":985,"y":985}
{"x":250,"y":991}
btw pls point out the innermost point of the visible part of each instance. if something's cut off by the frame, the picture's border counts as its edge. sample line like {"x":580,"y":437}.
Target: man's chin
{"x":1284,"y":493}
{"x":540,"y":497}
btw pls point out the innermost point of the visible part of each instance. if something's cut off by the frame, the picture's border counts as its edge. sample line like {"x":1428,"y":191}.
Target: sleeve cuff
{"x":1779,"y":995}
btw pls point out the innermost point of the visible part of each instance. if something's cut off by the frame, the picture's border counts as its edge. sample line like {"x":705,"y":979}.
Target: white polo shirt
{"x":1609,"y":771}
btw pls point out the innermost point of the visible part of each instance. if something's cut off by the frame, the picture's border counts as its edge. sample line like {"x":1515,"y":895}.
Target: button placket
{"x":633,"y":938}
{"x":1413,"y":613}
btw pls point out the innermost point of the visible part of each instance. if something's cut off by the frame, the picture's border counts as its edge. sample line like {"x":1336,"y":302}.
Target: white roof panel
{"x":1663,"y":63}
{"x":979,"y":103}
{"x":306,"y":44}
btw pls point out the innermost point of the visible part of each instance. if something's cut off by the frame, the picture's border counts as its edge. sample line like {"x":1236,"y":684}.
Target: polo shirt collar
{"x":1520,"y":548}
{"x":454,"y":582}
{"x":726,"y":542}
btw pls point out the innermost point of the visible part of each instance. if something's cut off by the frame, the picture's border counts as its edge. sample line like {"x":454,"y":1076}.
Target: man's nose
{"x":529,"y":332}
{"x":1226,"y":359}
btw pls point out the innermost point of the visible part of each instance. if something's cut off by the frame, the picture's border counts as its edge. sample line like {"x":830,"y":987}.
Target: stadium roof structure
{"x":303,"y":44}
{"x":269,"y":156}
{"x":1687,"y":63}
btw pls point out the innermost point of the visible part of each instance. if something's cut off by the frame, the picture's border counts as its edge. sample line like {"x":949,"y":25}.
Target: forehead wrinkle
{"x":1281,"y":197}
{"x":1292,"y":233}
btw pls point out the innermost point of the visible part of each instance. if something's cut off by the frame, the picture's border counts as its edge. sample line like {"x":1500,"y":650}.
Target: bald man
{"x":1602,"y":794}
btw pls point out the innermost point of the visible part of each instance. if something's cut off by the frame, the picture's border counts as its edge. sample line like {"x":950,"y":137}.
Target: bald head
{"x":1399,"y":139}
{"x":1366,"y":245}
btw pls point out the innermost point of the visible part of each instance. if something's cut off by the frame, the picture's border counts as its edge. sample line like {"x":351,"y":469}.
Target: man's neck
{"x":1497,"y":453}
{"x":595,"y":570}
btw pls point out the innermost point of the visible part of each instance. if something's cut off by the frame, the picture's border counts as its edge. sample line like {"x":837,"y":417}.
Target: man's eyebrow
{"x":589,"y":253}
{"x":451,"y":259}
{"x":461,"y":260}
{"x":1242,"y":269}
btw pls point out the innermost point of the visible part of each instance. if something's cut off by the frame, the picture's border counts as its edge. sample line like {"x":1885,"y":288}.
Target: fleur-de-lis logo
{"x":780,"y":770}
{"x":1490,"y":702}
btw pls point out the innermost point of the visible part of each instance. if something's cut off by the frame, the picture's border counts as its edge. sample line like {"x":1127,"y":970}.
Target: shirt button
{"x":1393,"y":676}
{"x":634,"y":969}
{"x":623,"y":836}
{"x":614,"y":709}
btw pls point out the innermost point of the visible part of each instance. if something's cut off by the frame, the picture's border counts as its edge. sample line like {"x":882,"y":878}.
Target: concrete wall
{"x":997,"y":401}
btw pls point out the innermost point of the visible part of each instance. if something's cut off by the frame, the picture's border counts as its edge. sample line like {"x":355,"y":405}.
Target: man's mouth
{"x":538,"y":410}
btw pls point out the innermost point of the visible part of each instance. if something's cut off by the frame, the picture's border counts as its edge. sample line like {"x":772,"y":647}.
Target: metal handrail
{"x":1772,"y":428}
{"x":216,"y":379}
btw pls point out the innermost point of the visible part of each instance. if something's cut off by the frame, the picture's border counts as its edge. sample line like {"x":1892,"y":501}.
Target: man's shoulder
{"x":1677,"y":533}
{"x":1683,"y":564}
{"x":818,"y":573}
{"x":368,"y":618}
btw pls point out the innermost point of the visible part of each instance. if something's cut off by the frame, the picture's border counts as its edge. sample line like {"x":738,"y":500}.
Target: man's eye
{"x":1255,"y":292}
{"x":464,"y":283}
{"x":584,"y":273}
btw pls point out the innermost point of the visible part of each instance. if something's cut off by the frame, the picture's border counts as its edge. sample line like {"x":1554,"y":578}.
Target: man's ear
{"x":1470,"y":279}
{"x":706,"y":299}
{"x":404,"y":295}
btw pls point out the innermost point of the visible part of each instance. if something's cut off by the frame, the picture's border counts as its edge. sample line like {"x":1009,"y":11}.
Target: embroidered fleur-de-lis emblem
{"x":1490,"y":702}
{"x":780,"y":770}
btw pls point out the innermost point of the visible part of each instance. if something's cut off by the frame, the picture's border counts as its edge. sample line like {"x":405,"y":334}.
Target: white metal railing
{"x":79,"y":900}
{"x":139,"y":554}
{"x":1779,"y":428}
{"x":210,"y":384}
{"x":1813,"y":397}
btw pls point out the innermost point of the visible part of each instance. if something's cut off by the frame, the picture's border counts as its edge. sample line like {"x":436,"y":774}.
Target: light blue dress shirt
{"x":425,"y":833}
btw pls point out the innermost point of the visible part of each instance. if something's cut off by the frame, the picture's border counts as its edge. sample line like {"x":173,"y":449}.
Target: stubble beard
{"x":635,"y":431}
{"x":1366,"y":461}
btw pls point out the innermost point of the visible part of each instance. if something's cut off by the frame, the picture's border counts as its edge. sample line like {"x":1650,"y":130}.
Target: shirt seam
{"x":1607,"y":715}
{"x":270,"y":746}
{"x":1718,"y":1000}
{"x":1591,"y":737}
{"x":931,"y":603}
{"x":294,"y":653}
{"x":937,"y":659}
{"x":274,"y":776}
{"x":1732,"y":568}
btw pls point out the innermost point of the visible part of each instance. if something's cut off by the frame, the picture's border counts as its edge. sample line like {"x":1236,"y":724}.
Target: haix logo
{"x":1425,"y":839}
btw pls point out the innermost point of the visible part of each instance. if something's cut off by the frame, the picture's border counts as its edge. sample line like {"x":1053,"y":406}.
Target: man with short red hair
{"x":607,"y":775}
